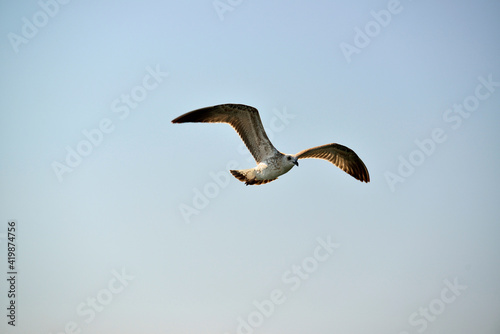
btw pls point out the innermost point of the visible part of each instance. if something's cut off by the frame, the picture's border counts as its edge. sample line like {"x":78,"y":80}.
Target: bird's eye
{"x":288,"y":158}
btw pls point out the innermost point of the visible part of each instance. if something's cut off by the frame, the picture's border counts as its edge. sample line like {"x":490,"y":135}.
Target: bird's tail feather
{"x":245,"y":175}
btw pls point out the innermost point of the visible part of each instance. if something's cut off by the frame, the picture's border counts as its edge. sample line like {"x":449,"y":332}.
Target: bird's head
{"x":291,"y":160}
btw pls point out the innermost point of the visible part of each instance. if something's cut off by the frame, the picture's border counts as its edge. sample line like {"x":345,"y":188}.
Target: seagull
{"x":271,"y":163}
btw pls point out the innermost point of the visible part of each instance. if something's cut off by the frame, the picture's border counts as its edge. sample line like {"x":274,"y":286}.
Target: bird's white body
{"x":267,"y":170}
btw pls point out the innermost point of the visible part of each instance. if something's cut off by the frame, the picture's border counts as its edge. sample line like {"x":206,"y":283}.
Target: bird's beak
{"x":296,"y":162}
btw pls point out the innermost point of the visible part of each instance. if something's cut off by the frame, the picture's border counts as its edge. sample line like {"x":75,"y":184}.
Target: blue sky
{"x":130,"y":224}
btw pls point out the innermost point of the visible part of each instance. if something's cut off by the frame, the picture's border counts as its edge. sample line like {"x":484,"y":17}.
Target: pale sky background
{"x":119,"y":209}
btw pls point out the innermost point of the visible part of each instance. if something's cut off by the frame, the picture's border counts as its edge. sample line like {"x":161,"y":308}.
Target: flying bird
{"x":271,"y":163}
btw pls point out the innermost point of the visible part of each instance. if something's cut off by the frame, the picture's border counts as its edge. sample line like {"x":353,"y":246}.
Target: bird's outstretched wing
{"x":244,"y":119}
{"x":341,"y":156}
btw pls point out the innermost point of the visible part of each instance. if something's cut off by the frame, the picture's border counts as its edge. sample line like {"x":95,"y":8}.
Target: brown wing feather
{"x":341,"y":156}
{"x":244,"y":119}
